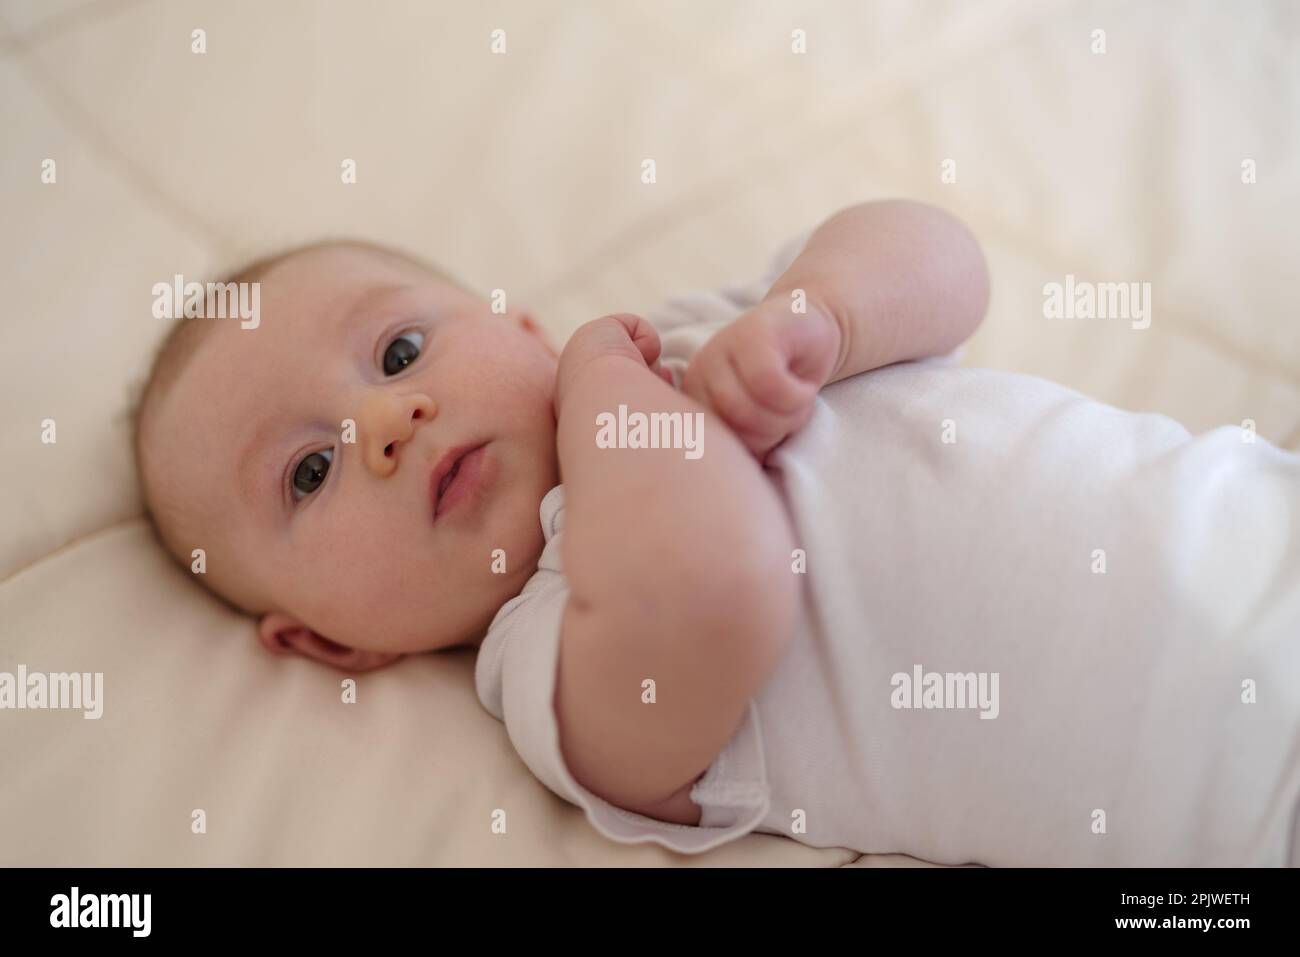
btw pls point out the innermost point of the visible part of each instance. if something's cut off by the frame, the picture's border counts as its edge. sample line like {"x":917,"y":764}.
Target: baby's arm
{"x":879,"y":283}
{"x":678,"y":571}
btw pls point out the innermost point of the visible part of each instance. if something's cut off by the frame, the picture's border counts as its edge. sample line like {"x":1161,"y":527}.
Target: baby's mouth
{"x":446,"y":480}
{"x":456,"y":477}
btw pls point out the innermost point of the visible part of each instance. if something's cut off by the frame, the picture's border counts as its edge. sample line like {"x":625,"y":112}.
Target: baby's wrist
{"x":803,"y":305}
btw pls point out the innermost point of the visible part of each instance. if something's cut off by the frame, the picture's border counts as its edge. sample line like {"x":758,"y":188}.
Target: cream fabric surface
{"x":522,"y":171}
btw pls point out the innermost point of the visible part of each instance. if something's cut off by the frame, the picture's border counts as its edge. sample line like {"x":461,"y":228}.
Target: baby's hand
{"x":761,"y":374}
{"x":620,"y":335}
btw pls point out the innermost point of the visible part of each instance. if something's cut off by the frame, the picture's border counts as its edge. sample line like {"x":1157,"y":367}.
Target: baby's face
{"x":342,"y":537}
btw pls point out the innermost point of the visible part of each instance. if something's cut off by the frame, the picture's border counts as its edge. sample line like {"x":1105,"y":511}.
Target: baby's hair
{"x":183,"y":340}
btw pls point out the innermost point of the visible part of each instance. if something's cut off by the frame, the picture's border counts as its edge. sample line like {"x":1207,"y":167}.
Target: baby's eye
{"x":310,"y":473}
{"x":402,"y":351}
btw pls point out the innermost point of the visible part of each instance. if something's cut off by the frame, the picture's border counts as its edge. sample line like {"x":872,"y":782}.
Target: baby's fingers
{"x":767,"y":378}
{"x":716,"y":385}
{"x":617,"y":335}
{"x":811,"y":344}
{"x":643,"y":335}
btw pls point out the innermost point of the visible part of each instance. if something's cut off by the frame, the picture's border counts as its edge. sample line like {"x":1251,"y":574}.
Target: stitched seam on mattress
{"x":1209,"y":336}
{"x":1031,"y":246}
{"x":57,"y":24}
{"x":752,"y":170}
{"x":68,"y":546}
{"x":1190,"y":331}
{"x":98,"y":142}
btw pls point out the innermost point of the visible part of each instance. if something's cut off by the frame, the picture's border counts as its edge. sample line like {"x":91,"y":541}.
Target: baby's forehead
{"x":336,"y":268}
{"x":351,"y":280}
{"x":311,"y":302}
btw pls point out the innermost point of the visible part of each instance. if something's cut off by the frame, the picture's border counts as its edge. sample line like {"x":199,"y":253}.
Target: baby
{"x":896,"y":606}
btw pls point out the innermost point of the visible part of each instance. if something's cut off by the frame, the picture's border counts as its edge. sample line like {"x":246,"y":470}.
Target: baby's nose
{"x":387,"y":423}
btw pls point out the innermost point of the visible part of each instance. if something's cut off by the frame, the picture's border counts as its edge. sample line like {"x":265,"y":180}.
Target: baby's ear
{"x":283,"y":635}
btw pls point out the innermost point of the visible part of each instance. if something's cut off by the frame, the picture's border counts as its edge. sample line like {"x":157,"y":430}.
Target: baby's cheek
{"x":529,"y":542}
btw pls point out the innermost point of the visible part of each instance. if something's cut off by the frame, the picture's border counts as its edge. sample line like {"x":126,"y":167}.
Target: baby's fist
{"x":620,"y":335}
{"x":761,"y":374}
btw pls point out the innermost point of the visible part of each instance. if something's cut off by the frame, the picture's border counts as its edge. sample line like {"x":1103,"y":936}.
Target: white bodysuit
{"x":1036,"y":630}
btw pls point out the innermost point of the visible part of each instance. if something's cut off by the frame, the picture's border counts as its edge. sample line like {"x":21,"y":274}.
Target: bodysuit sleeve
{"x":515,"y":679}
